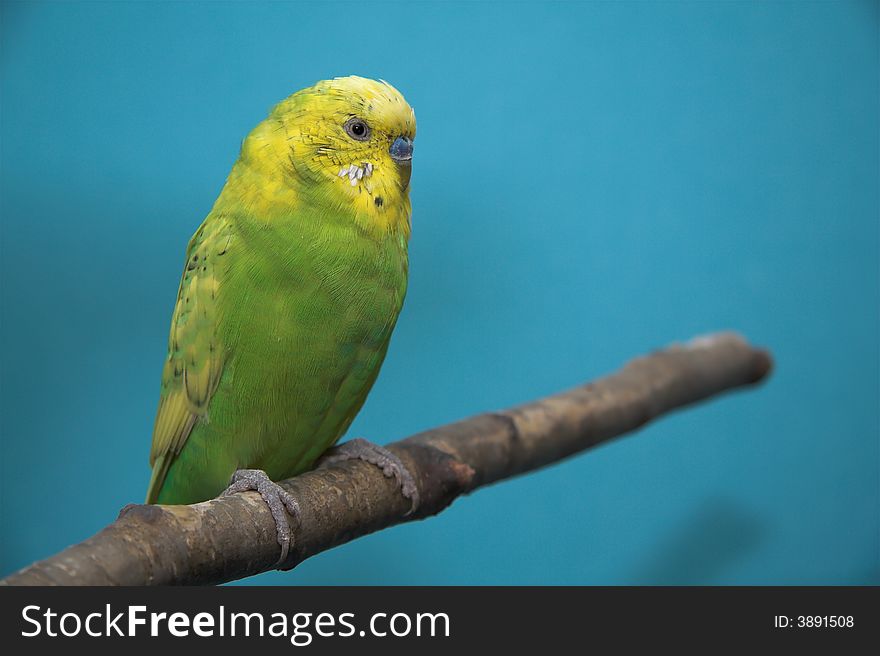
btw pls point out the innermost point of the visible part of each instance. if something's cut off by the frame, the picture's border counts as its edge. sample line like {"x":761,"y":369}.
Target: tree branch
{"x":234,"y":537}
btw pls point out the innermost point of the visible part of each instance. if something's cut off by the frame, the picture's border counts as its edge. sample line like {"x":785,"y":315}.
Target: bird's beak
{"x":402,"y":150}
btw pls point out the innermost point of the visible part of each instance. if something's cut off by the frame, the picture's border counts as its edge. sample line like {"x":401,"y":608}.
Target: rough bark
{"x":234,"y":537}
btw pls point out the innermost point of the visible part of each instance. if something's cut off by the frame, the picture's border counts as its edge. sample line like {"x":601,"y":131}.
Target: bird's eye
{"x":357,"y":129}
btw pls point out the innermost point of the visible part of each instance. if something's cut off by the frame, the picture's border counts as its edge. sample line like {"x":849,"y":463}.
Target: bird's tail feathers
{"x":160,"y":470}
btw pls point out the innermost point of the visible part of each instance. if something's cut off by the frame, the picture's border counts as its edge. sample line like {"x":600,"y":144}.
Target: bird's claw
{"x":374,"y":454}
{"x":276,"y":497}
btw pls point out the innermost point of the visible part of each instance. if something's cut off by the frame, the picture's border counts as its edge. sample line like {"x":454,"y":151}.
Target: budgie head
{"x":347,"y":143}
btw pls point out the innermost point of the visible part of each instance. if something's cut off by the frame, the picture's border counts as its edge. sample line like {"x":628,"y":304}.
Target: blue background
{"x":591,"y":181}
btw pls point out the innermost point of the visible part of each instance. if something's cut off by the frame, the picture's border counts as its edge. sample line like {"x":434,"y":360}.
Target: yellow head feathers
{"x":345,"y":143}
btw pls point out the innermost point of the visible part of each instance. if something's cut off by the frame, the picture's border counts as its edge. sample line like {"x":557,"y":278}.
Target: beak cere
{"x":402,"y":150}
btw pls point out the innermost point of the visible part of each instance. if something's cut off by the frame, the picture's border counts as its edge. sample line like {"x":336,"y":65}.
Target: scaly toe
{"x":390,"y":464}
{"x":276,"y":497}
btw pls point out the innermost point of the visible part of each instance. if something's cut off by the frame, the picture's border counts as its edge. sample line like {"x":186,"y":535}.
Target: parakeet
{"x":291,"y":289}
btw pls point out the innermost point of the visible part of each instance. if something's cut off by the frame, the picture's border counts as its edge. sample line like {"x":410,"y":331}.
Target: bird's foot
{"x":374,"y":454}
{"x":276,"y":497}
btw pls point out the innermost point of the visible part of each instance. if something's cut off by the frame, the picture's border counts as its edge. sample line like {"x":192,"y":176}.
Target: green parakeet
{"x":291,"y":289}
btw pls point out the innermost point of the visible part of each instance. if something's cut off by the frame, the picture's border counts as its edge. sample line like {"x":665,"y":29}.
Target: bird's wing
{"x":195,"y":356}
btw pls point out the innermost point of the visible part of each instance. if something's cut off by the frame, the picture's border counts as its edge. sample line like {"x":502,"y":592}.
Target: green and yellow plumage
{"x":291,"y":289}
